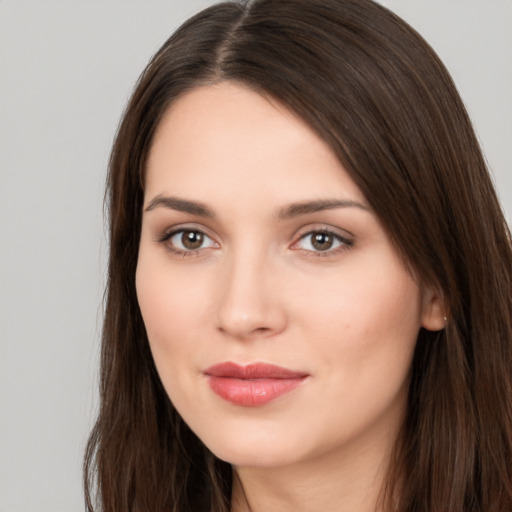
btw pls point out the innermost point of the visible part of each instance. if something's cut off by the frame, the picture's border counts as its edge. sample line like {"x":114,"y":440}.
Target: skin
{"x":256,"y":289}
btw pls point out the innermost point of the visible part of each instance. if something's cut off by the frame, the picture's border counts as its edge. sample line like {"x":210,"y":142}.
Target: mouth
{"x":252,"y":385}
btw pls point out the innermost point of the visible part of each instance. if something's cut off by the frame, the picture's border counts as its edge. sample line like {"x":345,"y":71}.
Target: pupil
{"x":322,"y":241}
{"x":192,"y":239}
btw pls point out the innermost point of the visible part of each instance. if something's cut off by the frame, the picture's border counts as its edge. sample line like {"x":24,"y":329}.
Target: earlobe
{"x":434,"y":311}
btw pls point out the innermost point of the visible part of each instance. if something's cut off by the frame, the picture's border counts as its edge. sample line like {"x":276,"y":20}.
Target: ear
{"x":433,"y":317}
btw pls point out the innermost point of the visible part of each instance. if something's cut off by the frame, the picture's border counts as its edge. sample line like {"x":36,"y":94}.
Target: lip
{"x":252,"y":385}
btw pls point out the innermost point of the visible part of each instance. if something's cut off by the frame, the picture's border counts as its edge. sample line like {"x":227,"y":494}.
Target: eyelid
{"x":168,"y":231}
{"x":316,"y":227}
{"x":165,"y":237}
{"x":345,"y":242}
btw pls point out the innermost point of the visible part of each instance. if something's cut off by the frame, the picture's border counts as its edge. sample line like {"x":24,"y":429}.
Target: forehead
{"x":229,"y":135}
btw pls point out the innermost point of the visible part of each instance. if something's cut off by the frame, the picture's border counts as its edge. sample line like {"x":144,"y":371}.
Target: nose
{"x":250,"y":303}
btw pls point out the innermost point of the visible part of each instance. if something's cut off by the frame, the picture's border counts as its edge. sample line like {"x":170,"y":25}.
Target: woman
{"x":309,"y":298}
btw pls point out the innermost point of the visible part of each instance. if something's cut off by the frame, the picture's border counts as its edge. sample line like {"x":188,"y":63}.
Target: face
{"x":280,"y":318}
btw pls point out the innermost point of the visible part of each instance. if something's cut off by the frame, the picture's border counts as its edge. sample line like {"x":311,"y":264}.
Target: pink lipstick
{"x":252,"y":385}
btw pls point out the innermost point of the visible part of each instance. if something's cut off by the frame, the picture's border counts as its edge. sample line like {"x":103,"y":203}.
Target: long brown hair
{"x":375,"y":91}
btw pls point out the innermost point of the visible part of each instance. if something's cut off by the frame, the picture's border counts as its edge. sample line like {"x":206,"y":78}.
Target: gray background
{"x":66,"y":70}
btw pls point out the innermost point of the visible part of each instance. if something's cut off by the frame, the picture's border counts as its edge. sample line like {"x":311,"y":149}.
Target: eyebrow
{"x":289,"y":212}
{"x":307,"y":207}
{"x":181,"y":205}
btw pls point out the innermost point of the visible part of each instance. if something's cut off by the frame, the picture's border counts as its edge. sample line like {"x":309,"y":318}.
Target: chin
{"x":253,"y":456}
{"x":259,"y":444}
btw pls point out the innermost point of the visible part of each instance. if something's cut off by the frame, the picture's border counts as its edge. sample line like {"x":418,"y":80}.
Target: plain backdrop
{"x":66,"y":70}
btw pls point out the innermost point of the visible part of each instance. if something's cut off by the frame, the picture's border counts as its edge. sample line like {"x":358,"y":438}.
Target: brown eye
{"x":187,"y":241}
{"x":322,"y":241}
{"x":192,"y":239}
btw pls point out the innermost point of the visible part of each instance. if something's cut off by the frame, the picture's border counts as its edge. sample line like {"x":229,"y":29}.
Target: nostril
{"x":261,"y":331}
{"x":245,"y":332}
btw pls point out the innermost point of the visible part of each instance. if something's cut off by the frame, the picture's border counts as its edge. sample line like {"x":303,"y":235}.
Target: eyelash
{"x":166,"y":237}
{"x":344,"y":243}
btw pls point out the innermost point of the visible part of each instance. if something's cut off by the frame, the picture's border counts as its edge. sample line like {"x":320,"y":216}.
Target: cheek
{"x":169,"y":301}
{"x":165,"y":305}
{"x":362,"y":330}
{"x":364,"y":319}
